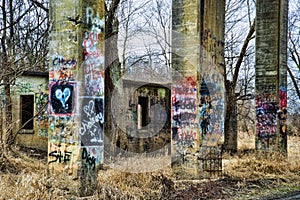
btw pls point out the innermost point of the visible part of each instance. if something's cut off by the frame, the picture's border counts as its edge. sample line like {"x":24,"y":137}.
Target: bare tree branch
{"x":242,"y":53}
{"x":294,"y":82}
{"x":40,"y":5}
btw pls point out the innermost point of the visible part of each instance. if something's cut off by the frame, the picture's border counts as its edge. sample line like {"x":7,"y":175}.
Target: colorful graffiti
{"x":266,"y":125}
{"x":187,"y":140}
{"x":282,"y":118}
{"x":62,"y":94}
{"x":282,"y":97}
{"x":62,"y":130}
{"x":93,"y":50}
{"x":41,"y":108}
{"x":25,"y":87}
{"x":62,"y":98}
{"x":271,"y":115}
{"x":91,"y":156}
{"x":211,"y":106}
{"x":92,"y":122}
{"x":94,"y":83}
{"x":76,"y":91}
{"x":184,"y":117}
{"x":40,"y":91}
{"x":62,"y":69}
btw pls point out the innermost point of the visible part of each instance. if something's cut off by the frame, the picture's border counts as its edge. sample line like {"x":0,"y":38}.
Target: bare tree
{"x":24,"y":29}
{"x":113,"y":67}
{"x":145,"y":35}
{"x":158,"y":26}
{"x":239,"y":53}
{"x":294,"y":55}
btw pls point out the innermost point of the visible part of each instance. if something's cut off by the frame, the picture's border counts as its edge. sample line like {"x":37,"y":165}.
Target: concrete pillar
{"x":197,"y":85}
{"x":271,"y":74}
{"x":76,"y":91}
{"x":185,"y":60}
{"x":212,"y":72}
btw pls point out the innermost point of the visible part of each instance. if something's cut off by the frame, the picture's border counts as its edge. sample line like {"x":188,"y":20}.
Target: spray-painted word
{"x":92,"y":124}
{"x":61,"y":157}
{"x":89,"y":159}
{"x":61,"y":62}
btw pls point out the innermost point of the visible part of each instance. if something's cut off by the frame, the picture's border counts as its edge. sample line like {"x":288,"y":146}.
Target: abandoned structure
{"x":30,"y":109}
{"x":182,"y":114}
{"x":147,"y":117}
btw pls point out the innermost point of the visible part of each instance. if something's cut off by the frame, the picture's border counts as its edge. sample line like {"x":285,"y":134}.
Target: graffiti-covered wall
{"x":76,"y":87}
{"x":212,"y":72}
{"x":91,"y":97}
{"x":197,"y":85}
{"x":33,"y":86}
{"x":271,"y":75}
{"x":185,"y":64}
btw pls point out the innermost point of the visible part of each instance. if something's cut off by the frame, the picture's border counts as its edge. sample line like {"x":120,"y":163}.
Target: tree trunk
{"x":112,"y":75}
{"x":230,"y":104}
{"x":294,"y":82}
{"x":230,"y":87}
{"x":8,"y":133}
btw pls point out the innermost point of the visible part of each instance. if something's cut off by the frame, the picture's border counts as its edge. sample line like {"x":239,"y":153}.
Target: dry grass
{"x":36,"y":185}
{"x":124,"y":185}
{"x":259,"y":166}
{"x":256,"y":167}
{"x":245,"y":177}
{"x":246,"y":140}
{"x":294,"y":148}
{"x":261,"y":175}
{"x":30,"y":180}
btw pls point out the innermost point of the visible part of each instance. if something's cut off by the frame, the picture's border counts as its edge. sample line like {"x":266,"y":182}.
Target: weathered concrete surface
{"x":212,"y":69}
{"x":271,"y":75}
{"x":198,"y":69}
{"x":185,"y":59}
{"x":76,"y":90}
{"x":35,"y":85}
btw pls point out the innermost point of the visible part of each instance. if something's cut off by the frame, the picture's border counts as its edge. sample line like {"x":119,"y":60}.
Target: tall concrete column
{"x":76,"y":91}
{"x":185,"y":63}
{"x":271,"y":74}
{"x":197,"y":85}
{"x":212,"y":72}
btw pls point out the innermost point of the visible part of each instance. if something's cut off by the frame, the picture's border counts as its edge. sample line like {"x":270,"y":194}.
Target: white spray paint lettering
{"x":93,"y":118}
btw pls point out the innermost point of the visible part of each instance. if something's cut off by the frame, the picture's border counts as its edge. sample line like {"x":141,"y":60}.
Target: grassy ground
{"x":246,"y":176}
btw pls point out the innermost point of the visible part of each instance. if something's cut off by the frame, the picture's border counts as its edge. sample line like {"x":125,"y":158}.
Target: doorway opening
{"x":143,"y":103}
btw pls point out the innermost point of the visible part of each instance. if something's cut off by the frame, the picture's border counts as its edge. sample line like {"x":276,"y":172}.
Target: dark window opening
{"x":27,"y":105}
{"x":143,"y":101}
